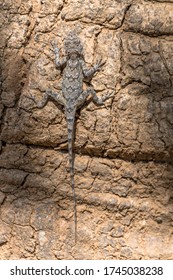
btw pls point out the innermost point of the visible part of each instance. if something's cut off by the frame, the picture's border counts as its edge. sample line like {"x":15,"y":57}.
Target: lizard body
{"x":73,"y":96}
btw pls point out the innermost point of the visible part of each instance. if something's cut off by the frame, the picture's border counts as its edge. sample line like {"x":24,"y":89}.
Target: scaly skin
{"x":73,"y":96}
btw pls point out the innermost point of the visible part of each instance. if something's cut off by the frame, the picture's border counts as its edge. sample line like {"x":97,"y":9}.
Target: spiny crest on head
{"x":72,"y":44}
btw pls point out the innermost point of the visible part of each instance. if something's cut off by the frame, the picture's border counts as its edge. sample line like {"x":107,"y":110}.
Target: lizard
{"x":73,"y":96}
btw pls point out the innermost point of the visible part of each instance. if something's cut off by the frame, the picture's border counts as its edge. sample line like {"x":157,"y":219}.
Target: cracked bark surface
{"x":124,"y":150}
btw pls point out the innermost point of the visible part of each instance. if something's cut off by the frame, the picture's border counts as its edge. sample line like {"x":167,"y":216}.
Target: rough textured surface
{"x":123,"y":166}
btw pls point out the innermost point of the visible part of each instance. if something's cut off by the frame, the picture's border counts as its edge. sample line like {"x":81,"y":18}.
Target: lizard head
{"x":72,"y":44}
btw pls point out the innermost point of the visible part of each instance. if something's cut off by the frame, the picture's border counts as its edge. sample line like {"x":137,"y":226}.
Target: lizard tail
{"x":70,"y":126}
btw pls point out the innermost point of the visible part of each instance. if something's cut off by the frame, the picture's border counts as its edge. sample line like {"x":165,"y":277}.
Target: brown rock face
{"x":124,"y":149}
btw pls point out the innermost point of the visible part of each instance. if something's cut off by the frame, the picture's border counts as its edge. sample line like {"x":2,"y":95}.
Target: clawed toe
{"x":31,"y":97}
{"x":99,"y":64}
{"x":109,"y":95}
{"x":54,"y":48}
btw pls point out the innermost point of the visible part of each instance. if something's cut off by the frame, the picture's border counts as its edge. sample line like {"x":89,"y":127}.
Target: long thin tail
{"x":70,"y":125}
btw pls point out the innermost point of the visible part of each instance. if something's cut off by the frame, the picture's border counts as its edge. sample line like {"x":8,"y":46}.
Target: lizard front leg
{"x":59,"y":63}
{"x":90,"y":72}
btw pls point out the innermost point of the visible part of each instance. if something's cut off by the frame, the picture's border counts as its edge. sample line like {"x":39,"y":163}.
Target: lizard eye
{"x":69,"y":110}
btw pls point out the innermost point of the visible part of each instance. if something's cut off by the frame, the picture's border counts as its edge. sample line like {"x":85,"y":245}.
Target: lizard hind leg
{"x":82,"y":97}
{"x":41,"y":103}
{"x":100,"y":100}
{"x":48,"y":93}
{"x":56,"y":96}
